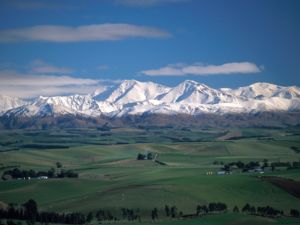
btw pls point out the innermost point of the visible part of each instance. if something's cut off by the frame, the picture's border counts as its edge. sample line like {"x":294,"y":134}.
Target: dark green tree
{"x":58,"y":164}
{"x":154,"y":214}
{"x":246,"y":208}
{"x":31,"y":209}
{"x":252,"y":210}
{"x":265,"y":163}
{"x":236,"y":209}
{"x":173,"y":212}
{"x":89,"y":217}
{"x":140,"y":156}
{"x":150,"y":156}
{"x":51,"y":173}
{"x":167,"y":211}
{"x":295,"y":213}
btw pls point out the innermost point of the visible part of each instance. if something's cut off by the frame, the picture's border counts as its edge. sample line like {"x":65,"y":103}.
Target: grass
{"x":111,"y":178}
{"x":228,"y":219}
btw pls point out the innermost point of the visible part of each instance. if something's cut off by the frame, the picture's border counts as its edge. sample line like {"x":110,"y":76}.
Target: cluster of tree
{"x":211,"y":208}
{"x":171,"y":211}
{"x":67,"y":173}
{"x":289,"y":165}
{"x":266,"y":211}
{"x":130,"y":214}
{"x":16,"y":173}
{"x":240,"y":165}
{"x":245,"y":167}
{"x":146,"y":156}
{"x":295,"y":165}
{"x":103,"y":215}
{"x":29,"y":212}
{"x":25,"y":174}
{"x":295,"y":213}
{"x":106,"y":215}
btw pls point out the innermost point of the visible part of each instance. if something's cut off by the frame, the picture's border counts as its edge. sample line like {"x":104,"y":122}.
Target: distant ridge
{"x":133,"y":98}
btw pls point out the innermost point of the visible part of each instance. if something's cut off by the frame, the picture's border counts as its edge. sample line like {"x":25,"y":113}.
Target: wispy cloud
{"x":12,"y":78}
{"x":95,"y":32}
{"x":40,"y":67}
{"x":41,"y":78}
{"x":146,"y":3}
{"x":26,"y":85}
{"x":204,"y":70}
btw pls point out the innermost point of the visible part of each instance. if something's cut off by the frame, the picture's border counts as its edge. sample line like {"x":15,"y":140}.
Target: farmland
{"x":111,"y":178}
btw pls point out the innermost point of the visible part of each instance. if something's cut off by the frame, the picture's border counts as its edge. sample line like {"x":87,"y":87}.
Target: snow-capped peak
{"x":288,"y":92}
{"x":135,"y":97}
{"x":131,"y":91}
{"x":8,"y":102}
{"x":257,"y":90}
{"x":191,"y":92}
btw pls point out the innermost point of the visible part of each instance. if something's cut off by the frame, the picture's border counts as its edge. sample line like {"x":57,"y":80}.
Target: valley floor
{"x":111,"y":177}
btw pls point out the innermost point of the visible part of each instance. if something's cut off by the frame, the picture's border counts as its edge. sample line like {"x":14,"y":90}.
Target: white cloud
{"x":25,"y":85}
{"x":13,"y":78}
{"x":96,"y":32}
{"x":35,"y":91}
{"x":204,"y":70}
{"x":146,"y":3}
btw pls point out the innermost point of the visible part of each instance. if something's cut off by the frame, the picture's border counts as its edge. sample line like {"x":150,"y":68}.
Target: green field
{"x":230,"y":219}
{"x":110,"y":177}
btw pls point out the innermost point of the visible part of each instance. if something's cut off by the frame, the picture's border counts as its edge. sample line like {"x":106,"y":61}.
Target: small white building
{"x":221,"y":172}
{"x":224,"y":172}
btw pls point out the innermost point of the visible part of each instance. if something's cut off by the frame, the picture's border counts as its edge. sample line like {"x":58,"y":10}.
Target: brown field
{"x":289,"y":185}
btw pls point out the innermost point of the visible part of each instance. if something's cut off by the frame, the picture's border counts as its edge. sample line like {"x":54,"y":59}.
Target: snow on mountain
{"x":191,"y":92}
{"x":136,"y":98}
{"x":288,"y":92}
{"x":257,"y":90}
{"x":45,"y":106}
{"x":108,"y":108}
{"x":132,"y":91}
{"x":7,"y":103}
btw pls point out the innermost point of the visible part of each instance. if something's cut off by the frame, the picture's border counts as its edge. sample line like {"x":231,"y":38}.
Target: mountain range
{"x":135,"y":98}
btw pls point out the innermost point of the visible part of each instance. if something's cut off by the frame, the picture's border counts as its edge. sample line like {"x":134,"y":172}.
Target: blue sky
{"x":222,"y":43}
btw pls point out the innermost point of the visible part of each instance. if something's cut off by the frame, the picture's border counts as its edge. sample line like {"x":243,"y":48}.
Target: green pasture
{"x":110,"y":177}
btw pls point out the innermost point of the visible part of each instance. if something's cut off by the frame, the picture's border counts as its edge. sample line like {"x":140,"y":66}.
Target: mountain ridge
{"x":132,"y":97}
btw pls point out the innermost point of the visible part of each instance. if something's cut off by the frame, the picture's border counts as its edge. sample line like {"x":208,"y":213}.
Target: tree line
{"x":252,"y":165}
{"x":211,"y":208}
{"x":30,"y":213}
{"x":16,"y":173}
